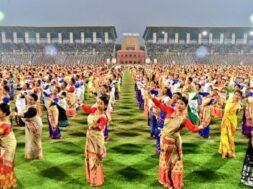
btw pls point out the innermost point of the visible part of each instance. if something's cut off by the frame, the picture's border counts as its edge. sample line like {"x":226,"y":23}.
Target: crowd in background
{"x":60,"y":91}
{"x":177,"y":96}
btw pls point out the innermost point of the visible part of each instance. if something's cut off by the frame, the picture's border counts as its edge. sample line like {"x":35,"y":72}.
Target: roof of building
{"x":193,"y":30}
{"x":54,"y":30}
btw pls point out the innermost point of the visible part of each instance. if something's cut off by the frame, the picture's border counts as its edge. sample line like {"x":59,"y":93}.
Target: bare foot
{"x":224,"y":157}
{"x":233,"y":156}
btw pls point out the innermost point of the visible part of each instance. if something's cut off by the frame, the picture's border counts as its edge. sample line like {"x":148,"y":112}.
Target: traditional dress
{"x":230,"y":92}
{"x":46,"y":94}
{"x":160,"y":126}
{"x":82,"y":89}
{"x":205,"y":118}
{"x":247,"y":120}
{"x":71,"y":102}
{"x":109,"y":118}
{"x":171,"y":157}
{"x":247,"y":169}
{"x":7,"y":157}
{"x":193,"y":106}
{"x":228,"y":128}
{"x":53,"y":116}
{"x":95,"y":147}
{"x":39,"y":93}
{"x":78,"y":90}
{"x":117,"y":89}
{"x":33,"y":132}
{"x":146,"y":108}
{"x":216,"y":111}
{"x":12,"y":90}
{"x":62,"y":119}
{"x":153,"y":118}
{"x":139,"y":95}
{"x":20,"y":107}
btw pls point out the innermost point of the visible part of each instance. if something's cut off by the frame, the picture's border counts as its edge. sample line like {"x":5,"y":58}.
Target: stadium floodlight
{"x":251,"y":18}
{"x":2,"y":16}
{"x":251,"y":32}
{"x":204,"y":33}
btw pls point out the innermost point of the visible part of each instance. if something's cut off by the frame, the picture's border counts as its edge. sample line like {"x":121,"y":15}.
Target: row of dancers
{"x":176,"y":96}
{"x":60,"y":91}
{"x":218,"y":86}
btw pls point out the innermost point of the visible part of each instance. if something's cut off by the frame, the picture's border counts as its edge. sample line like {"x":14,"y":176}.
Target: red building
{"x":130,"y":52}
{"x":130,"y":56}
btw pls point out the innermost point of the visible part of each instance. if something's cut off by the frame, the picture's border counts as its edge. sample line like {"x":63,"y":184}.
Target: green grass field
{"x":131,"y":162}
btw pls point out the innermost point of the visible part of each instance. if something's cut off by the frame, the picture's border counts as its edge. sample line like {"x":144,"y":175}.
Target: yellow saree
{"x":228,"y":128}
{"x":94,"y":152}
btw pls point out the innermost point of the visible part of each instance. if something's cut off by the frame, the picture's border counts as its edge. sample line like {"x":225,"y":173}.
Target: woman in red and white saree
{"x":33,"y":129}
{"x":8,"y":145}
{"x":95,"y":148}
{"x":171,"y":169}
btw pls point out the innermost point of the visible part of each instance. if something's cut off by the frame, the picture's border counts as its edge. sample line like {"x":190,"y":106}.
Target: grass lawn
{"x":131,"y":162}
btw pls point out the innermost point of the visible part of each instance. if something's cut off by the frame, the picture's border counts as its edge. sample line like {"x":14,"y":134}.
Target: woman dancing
{"x":171,"y":157}
{"x":95,"y":147}
{"x":8,"y":145}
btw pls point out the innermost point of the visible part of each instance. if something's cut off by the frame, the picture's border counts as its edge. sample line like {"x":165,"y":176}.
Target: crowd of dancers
{"x":174,"y":97}
{"x":60,"y":91}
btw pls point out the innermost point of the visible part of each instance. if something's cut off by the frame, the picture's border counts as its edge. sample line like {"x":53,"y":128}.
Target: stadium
{"x":97,"y":44}
{"x":209,"y":45}
{"x":57,"y":45}
{"x":147,"y":101}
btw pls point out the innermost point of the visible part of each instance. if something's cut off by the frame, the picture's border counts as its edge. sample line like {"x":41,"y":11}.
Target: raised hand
{"x":201,"y":127}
